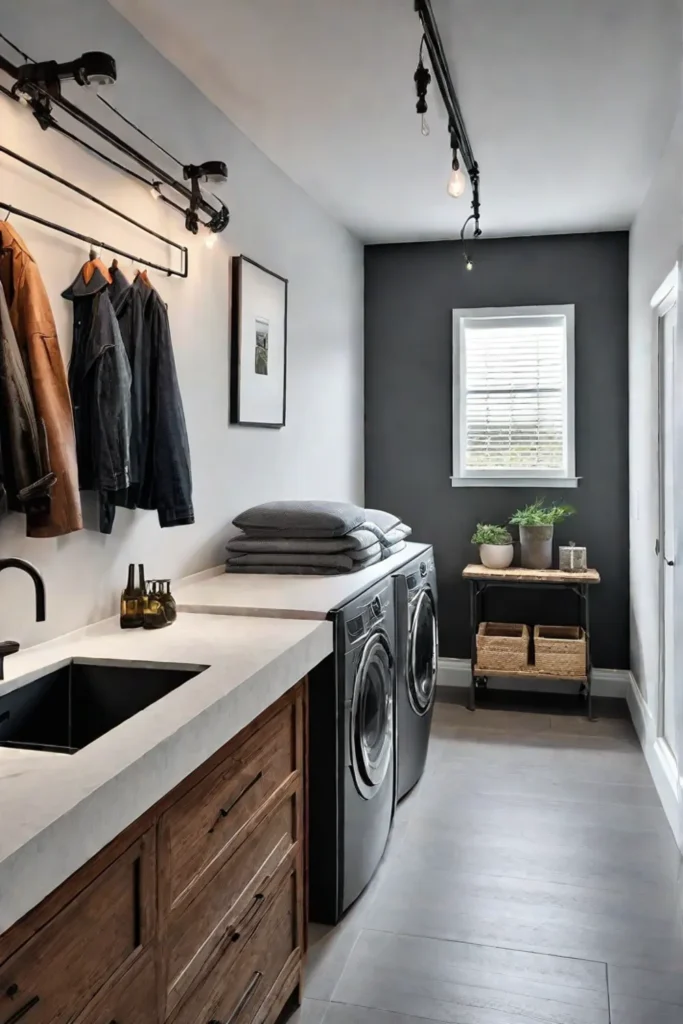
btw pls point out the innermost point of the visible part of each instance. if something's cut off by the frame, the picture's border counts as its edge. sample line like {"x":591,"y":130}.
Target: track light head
{"x":210,"y":170}
{"x":91,"y":68}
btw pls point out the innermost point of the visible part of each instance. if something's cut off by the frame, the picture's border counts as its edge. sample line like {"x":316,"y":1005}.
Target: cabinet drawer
{"x":235,"y":989}
{"x":202,"y":828}
{"x":58,"y":971}
{"x":132,"y":1000}
{"x":224,"y":913}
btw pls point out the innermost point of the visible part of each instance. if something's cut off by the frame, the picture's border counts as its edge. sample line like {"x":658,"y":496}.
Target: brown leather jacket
{"x":36,"y":335}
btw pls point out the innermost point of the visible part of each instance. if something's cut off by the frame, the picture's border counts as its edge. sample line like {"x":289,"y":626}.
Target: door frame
{"x":663,"y":301}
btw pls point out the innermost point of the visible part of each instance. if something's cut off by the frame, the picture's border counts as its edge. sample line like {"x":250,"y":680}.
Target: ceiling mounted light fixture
{"x":422,"y":78}
{"x":210,"y":170}
{"x":457,"y":182}
{"x":91,"y":68}
{"x":461,"y":147}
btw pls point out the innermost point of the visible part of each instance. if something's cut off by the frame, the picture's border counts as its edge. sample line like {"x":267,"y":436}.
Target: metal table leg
{"x":474,"y":626}
{"x":589,"y":658}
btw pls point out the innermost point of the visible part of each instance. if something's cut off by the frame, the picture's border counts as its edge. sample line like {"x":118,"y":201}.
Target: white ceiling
{"x":568,"y":103}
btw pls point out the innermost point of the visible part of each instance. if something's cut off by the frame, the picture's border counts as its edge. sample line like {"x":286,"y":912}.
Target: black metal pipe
{"x":101,"y":245}
{"x":87,"y":195}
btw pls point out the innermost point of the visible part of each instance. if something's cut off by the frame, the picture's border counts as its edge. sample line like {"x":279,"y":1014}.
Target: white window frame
{"x":462,"y":477}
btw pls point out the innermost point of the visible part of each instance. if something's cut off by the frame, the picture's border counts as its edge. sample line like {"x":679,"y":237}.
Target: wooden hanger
{"x":142,"y":274}
{"x":93,"y":264}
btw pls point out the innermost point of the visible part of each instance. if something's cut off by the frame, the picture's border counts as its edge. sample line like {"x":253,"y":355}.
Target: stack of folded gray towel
{"x":313,"y":538}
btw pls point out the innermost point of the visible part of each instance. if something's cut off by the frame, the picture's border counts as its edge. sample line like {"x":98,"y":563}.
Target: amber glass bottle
{"x":131,"y":603}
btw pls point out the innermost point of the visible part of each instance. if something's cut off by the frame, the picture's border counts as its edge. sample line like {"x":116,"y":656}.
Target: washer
{"x":352,"y":744}
{"x":417,"y":656}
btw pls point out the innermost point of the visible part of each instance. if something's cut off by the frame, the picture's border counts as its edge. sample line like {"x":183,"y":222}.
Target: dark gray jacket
{"x":25,"y":475}
{"x":161,"y":476}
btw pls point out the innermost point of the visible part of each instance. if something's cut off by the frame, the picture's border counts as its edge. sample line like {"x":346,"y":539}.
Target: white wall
{"x":320,"y":452}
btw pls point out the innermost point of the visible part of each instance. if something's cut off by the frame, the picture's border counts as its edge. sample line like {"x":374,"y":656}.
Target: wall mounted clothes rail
{"x":182,"y":250}
{"x":42,"y":99}
{"x":95,"y":242}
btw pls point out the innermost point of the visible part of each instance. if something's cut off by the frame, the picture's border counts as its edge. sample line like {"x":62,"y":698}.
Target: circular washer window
{"x":372,"y":716}
{"x":423,"y":654}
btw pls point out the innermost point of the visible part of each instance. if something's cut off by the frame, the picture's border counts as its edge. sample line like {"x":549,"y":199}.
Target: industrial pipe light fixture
{"x":91,"y":68}
{"x":210,"y":170}
{"x":461,"y":147}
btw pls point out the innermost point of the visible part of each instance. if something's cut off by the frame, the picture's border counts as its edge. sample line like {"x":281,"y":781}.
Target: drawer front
{"x":235,"y":990}
{"x":58,"y":971}
{"x":132,"y":1000}
{"x":225,"y":912}
{"x":202,"y":828}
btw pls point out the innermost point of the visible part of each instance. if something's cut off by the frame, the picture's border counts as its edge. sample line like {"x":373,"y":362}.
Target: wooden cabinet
{"x":195,"y":913}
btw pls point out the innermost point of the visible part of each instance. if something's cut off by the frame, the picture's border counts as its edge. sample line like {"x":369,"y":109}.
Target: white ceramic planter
{"x":496,"y":556}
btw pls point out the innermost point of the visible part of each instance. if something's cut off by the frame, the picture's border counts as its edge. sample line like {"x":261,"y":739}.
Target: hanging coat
{"x":26,"y":476}
{"x":100,"y":382}
{"x":36,"y":335}
{"x":160,"y":451}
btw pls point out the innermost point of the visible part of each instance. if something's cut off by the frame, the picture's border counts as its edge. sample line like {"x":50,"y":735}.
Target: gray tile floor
{"x":530,"y":877}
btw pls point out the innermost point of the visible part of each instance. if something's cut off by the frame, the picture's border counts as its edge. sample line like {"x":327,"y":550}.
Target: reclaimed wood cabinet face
{"x":197,"y":907}
{"x":53,"y":975}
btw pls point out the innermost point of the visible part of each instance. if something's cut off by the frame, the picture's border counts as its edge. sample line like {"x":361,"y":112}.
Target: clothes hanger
{"x":95,"y":263}
{"x":142,"y":274}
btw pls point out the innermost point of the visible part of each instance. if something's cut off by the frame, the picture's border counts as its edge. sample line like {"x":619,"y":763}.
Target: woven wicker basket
{"x":560,"y":650}
{"x":503,"y":646}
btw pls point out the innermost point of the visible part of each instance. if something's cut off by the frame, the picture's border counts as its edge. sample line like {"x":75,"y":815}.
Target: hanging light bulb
{"x":457,"y":182}
{"x":155,"y":191}
{"x":211,"y":239}
{"x":424,"y":128}
{"x":469,"y":265}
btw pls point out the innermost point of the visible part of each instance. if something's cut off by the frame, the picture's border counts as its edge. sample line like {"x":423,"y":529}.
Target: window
{"x":513,"y":397}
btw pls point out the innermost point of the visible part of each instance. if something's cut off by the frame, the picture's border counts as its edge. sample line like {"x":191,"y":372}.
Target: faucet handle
{"x":6,"y":647}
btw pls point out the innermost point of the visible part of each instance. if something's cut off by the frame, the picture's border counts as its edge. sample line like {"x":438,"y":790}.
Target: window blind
{"x":515,"y":383}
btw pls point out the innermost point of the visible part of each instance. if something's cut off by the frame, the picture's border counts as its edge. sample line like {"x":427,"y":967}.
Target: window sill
{"x":537,"y":482}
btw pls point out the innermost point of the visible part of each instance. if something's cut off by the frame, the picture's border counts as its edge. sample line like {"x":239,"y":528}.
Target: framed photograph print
{"x":258,"y":347}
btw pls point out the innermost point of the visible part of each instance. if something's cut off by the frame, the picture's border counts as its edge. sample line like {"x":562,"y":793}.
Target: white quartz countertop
{"x":58,"y":810}
{"x":298,"y":597}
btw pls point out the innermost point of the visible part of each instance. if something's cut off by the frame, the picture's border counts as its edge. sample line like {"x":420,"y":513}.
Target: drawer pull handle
{"x":247,"y":915}
{"x":243,"y":1001}
{"x":225,"y":811}
{"x":24,"y":1009}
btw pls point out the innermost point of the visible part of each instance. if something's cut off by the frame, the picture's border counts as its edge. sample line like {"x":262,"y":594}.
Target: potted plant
{"x":495,"y":546}
{"x":536,"y":527}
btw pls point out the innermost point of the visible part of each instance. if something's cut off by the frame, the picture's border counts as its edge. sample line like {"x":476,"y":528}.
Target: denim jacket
{"x":100,"y":383}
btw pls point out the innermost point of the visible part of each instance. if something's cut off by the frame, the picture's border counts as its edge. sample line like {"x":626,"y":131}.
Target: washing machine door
{"x":423,"y":653}
{"x":372,"y":716}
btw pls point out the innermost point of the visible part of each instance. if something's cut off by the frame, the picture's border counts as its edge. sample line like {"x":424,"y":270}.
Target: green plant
{"x":538,"y":514}
{"x":487,"y":534}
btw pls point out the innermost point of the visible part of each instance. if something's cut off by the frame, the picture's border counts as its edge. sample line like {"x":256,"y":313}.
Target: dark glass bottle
{"x":131,"y":603}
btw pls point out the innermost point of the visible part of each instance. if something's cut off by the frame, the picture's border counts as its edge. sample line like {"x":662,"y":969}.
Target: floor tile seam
{"x":487,"y":945}
{"x":525,"y":1017}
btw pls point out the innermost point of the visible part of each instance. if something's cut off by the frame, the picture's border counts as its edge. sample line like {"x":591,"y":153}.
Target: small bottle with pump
{"x":131,"y":603}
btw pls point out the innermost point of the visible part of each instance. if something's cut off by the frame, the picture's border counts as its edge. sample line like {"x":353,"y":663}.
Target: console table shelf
{"x":482,"y":579}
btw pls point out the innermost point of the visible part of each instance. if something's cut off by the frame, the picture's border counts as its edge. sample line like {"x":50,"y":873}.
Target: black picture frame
{"x":236,"y":346}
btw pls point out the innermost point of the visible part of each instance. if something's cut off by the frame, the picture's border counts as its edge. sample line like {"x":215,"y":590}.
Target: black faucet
{"x":11,"y":646}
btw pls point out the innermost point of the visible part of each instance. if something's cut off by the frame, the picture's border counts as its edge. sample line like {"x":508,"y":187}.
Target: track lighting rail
{"x":457,"y":128}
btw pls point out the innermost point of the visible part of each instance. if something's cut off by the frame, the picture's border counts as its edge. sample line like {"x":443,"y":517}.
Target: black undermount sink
{"x":70,"y":707}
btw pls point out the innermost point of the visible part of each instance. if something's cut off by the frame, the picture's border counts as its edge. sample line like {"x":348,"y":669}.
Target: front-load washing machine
{"x":352,"y":790}
{"x":417,"y":655}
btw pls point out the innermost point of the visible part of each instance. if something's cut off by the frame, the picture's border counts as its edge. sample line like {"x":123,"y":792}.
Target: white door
{"x":667,"y":531}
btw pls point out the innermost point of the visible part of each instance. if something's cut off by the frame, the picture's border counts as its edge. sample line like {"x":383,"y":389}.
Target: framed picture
{"x":258,"y":347}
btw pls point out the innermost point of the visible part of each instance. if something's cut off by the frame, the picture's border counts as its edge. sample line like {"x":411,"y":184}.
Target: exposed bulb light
{"x":210,"y":239}
{"x":469,"y":265}
{"x":457,"y":182}
{"x":424,"y":127}
{"x":155,"y":191}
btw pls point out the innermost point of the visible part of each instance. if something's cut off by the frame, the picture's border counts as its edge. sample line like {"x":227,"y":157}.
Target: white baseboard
{"x":660,"y":760}
{"x":606,"y":682}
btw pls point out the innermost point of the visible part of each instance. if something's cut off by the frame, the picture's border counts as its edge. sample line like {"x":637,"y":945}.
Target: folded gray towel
{"x":385,"y":520}
{"x":357,"y":540}
{"x":291,"y":570}
{"x":301,"y":518}
{"x":396,"y":534}
{"x":393,"y":549}
{"x":343,"y":562}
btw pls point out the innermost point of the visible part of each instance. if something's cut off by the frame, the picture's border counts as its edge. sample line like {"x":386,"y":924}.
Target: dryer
{"x":417,"y":655}
{"x":352,"y":742}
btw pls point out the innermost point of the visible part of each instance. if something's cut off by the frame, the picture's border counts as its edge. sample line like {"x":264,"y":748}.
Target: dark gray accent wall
{"x":410,"y":292}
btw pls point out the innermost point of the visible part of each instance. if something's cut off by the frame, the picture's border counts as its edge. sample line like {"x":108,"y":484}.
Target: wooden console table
{"x":482,"y":579}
